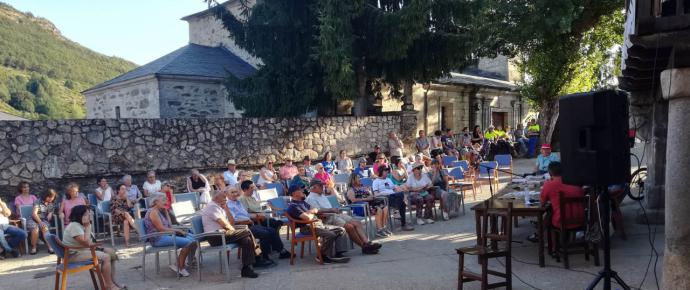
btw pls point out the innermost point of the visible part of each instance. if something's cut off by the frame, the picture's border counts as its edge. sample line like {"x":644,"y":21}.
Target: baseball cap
{"x":295,"y":187}
{"x":231,"y":162}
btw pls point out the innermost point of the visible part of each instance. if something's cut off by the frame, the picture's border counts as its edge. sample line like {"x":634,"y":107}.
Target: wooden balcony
{"x":657,"y":38}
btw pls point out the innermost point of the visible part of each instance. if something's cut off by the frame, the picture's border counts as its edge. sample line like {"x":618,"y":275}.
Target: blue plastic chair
{"x":149,"y":248}
{"x":25,"y":214}
{"x":277,"y":186}
{"x":505,"y":163}
{"x":191,"y":196}
{"x":200,"y":236}
{"x":333,"y":200}
{"x":106,"y":215}
{"x":488,"y":173}
{"x":461,"y":163}
{"x":278,"y":207}
{"x":448,"y":160}
{"x":64,"y":267}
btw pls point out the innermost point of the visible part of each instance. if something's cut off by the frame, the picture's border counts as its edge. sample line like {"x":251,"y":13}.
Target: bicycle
{"x":637,"y":181}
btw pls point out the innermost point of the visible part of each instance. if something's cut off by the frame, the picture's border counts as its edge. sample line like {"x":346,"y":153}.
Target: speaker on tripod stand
{"x":594,"y":136}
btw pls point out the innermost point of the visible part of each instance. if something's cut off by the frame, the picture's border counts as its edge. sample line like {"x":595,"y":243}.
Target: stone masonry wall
{"x":195,"y":99}
{"x":138,"y":100}
{"x":52,"y":153}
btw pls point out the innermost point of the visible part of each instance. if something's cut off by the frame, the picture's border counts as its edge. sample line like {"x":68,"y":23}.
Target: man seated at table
{"x":545,"y":158}
{"x":299,"y":209}
{"x":269,"y":238}
{"x":216,"y":217}
{"x":332,"y":216}
{"x":550,"y":193}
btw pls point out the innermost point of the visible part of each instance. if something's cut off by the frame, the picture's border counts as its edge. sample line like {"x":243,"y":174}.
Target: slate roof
{"x":465,"y":79}
{"x":190,"y":60}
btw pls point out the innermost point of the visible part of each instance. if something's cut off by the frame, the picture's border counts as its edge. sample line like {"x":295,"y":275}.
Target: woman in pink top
{"x":72,"y":198}
{"x":23,"y":197}
{"x":328,"y":182}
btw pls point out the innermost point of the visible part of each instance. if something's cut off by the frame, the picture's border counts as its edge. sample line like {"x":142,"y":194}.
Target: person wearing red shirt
{"x":550,"y":192}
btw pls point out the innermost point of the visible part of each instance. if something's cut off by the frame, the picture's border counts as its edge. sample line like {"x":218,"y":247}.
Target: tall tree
{"x":564,"y":46}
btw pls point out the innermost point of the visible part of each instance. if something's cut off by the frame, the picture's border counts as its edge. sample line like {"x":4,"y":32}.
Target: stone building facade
{"x":187,"y":83}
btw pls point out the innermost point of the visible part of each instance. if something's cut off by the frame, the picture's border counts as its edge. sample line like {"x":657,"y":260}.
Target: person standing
{"x":422,"y":144}
{"x":533,"y":135}
{"x":395,"y":145}
{"x":198,"y":183}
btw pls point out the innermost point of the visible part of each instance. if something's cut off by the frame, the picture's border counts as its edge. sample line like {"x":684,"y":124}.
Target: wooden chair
{"x":65,"y":267}
{"x":303,"y":237}
{"x":564,"y":234}
{"x":496,"y":227}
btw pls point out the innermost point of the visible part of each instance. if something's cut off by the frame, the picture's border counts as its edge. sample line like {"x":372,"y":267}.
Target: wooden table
{"x":519,"y":209}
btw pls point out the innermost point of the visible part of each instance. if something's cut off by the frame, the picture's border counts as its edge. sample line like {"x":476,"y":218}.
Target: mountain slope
{"x":42,"y":72}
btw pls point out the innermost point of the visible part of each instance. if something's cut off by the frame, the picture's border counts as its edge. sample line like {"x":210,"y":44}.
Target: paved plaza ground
{"x":422,"y":259}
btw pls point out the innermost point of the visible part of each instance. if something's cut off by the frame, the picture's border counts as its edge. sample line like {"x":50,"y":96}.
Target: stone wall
{"x":182,"y":98}
{"x":52,"y":153}
{"x":138,"y":99}
{"x":208,"y":31}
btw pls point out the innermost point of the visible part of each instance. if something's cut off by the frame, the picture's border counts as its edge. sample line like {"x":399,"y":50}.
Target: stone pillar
{"x":408,"y":102}
{"x":675,"y":86}
{"x":408,"y":130}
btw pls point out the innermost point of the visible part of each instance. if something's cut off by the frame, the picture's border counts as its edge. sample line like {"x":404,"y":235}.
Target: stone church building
{"x":188,"y":83}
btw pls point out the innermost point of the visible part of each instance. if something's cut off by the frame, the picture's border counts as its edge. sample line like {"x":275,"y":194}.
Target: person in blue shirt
{"x":269,"y":238}
{"x":328,"y":163}
{"x":545,"y":158}
{"x":362,"y":170}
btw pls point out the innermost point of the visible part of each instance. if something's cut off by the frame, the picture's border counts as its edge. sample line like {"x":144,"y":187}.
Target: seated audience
{"x":218,"y":183}
{"x":362,"y":170}
{"x":439,"y":180}
{"x":120,"y":208}
{"x":374,"y":154}
{"x":267,"y":174}
{"x":77,"y":234}
{"x":477,"y":136}
{"x":156,"y":221}
{"x":231,"y":176}
{"x":418,"y":186}
{"x":359,"y":193}
{"x":133,"y":192}
{"x":167,"y":190}
{"x":328,"y":163}
{"x":216,"y":217}
{"x":308,"y":168}
{"x":384,"y":187}
{"x":198,"y":183}
{"x":299,"y":209}
{"x":301,"y":177}
{"x":269,"y":237}
{"x":288,"y":171}
{"x":151,"y":185}
{"x":380,"y":162}
{"x":422,"y":143}
{"x":398,"y":172}
{"x":24,"y":197}
{"x":448,"y":142}
{"x":72,"y":198}
{"x":42,"y":218}
{"x":15,"y":236}
{"x":436,"y":144}
{"x":545,"y":158}
{"x":251,"y":203}
{"x":332,"y":216}
{"x":328,"y":182}
{"x":344,"y":163}
{"x":103,"y":192}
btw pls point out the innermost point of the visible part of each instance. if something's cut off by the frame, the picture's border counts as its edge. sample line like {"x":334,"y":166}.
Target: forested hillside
{"x":42,"y":73}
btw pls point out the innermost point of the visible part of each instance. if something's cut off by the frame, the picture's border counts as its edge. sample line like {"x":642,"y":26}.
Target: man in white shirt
{"x":332,"y":216}
{"x":384,"y":187}
{"x":230,"y":176}
{"x":16,"y":235}
{"x":419,"y":184}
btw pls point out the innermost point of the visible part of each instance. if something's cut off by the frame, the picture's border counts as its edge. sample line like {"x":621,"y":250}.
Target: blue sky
{"x":136,"y":30}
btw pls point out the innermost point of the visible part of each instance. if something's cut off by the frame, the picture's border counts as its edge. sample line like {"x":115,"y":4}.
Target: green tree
{"x":564,"y":46}
{"x":23,"y":101}
{"x":4,"y":93}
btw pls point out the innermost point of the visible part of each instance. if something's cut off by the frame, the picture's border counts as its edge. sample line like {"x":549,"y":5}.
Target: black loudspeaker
{"x":594,"y":136}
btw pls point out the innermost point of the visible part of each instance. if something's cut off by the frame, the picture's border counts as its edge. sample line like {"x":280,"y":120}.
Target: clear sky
{"x":136,"y":30}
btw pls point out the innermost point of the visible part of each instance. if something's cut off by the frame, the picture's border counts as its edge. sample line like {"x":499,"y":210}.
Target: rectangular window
{"x":117,"y":112}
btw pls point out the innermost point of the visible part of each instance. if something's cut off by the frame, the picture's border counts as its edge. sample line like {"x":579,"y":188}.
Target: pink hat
{"x":546,"y":146}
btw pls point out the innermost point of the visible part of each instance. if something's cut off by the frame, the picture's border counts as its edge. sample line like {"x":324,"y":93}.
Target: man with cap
{"x":300,"y":210}
{"x":332,"y":216}
{"x":545,"y":158}
{"x":230,"y":176}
